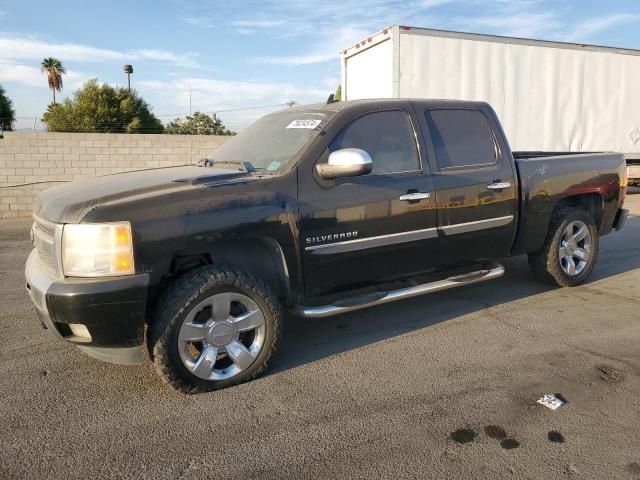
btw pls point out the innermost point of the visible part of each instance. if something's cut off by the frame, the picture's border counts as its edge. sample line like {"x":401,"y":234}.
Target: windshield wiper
{"x":245,"y":166}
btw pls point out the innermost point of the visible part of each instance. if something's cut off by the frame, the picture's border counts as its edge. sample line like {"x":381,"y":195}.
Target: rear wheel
{"x":214,"y":328}
{"x":570,"y":249}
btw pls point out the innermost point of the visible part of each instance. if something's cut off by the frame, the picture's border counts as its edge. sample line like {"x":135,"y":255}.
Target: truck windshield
{"x":272,"y":142}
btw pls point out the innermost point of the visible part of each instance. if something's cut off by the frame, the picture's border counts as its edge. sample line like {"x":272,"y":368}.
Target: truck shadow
{"x":308,"y":340}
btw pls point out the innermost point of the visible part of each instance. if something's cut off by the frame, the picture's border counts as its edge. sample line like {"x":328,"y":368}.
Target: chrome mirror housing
{"x":348,"y":162}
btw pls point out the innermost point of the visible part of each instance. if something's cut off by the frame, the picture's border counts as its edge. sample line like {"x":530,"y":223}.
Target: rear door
{"x":364,"y":230}
{"x":474,"y":180}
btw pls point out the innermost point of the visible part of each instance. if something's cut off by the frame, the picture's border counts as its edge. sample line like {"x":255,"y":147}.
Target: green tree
{"x":54,"y":70}
{"x":338,"y":95}
{"x":198,"y":124}
{"x":102,"y":109}
{"x":7,"y":113}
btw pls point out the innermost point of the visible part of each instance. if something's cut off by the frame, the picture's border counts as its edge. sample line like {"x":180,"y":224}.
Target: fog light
{"x":80,"y":330}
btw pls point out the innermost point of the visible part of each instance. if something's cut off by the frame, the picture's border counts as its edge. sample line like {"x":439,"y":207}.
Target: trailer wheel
{"x":215,"y":327}
{"x":570,"y":249}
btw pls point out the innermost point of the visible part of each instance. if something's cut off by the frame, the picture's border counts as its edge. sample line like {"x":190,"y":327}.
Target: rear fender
{"x":539,"y":212}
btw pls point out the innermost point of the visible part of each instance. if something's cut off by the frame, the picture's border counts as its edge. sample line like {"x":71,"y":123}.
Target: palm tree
{"x":54,"y":70}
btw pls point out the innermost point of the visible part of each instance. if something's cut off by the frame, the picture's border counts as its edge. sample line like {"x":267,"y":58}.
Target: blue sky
{"x":235,"y":54}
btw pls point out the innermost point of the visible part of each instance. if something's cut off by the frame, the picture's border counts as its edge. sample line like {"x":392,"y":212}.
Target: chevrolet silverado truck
{"x":315,"y":210}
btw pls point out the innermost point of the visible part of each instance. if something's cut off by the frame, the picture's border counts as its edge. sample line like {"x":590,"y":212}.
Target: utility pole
{"x":128,"y":69}
{"x":189,"y":99}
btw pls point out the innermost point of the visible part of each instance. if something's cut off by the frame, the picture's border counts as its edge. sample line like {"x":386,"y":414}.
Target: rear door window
{"x":388,"y":137}
{"x":461,"y":138}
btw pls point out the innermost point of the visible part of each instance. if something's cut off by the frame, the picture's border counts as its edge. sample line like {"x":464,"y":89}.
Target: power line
{"x":226,"y":110}
{"x":36,"y":123}
{"x":32,"y":183}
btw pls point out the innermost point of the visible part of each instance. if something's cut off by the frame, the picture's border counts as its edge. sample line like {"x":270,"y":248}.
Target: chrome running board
{"x":378,"y":298}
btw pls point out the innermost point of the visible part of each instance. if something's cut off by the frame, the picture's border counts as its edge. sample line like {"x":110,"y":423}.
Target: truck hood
{"x":70,"y":202}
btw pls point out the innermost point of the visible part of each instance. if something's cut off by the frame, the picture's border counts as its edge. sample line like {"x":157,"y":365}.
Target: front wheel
{"x":214,"y":328}
{"x":570,"y":249}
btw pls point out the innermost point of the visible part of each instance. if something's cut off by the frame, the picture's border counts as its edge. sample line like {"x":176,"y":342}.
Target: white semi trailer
{"x":550,"y":96}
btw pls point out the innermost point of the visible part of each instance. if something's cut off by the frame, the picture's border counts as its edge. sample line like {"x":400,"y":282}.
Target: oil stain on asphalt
{"x":555,"y":437}
{"x":467,"y":435}
{"x":509,"y":443}
{"x":498,"y":433}
{"x":634,"y":469}
{"x":463,"y":435}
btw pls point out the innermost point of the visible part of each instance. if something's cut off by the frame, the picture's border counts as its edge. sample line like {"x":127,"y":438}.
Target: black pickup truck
{"x":316,"y":210}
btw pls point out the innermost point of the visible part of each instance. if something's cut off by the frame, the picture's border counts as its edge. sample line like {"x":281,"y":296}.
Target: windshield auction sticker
{"x":304,"y":124}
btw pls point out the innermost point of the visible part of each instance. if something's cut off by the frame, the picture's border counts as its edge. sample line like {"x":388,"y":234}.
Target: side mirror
{"x":348,"y":162}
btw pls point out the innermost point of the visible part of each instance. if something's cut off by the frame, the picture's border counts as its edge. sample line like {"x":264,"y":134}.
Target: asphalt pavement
{"x":442,"y":386}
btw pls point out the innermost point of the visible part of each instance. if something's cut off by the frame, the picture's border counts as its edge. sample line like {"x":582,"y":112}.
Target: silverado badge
{"x":332,"y":236}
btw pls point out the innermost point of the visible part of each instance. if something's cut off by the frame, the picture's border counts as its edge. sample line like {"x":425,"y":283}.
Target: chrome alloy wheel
{"x":221,"y":336}
{"x":575,"y":248}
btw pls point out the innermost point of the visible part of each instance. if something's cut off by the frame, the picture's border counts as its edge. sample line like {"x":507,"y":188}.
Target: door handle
{"x":498,"y":185}
{"x":412,"y":197}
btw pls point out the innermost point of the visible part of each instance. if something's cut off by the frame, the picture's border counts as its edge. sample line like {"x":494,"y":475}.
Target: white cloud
{"x":325,"y":28}
{"x":585,"y":30}
{"x":325,"y":49}
{"x":230,"y":97}
{"x":212,"y":94}
{"x":256,"y":23}
{"x":199,"y":22}
{"x":33,"y":77}
{"x":435,"y":3}
{"x":523,"y":24}
{"x":23,"y":74}
{"x":331,"y":82}
{"x":329,"y":26}
{"x":549,"y":25}
{"x":28,"y":48}
{"x":20,"y":58}
{"x":318,"y":57}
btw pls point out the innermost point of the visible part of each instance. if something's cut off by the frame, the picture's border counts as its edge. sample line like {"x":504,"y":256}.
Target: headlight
{"x":97,"y":249}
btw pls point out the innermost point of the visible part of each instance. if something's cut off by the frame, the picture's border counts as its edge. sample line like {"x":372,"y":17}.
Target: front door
{"x":364,"y":230}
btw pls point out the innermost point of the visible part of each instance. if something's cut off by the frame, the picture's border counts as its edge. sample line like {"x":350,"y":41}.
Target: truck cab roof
{"x":376,"y":103}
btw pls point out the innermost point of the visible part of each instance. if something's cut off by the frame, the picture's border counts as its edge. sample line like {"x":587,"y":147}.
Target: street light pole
{"x":128,"y":69}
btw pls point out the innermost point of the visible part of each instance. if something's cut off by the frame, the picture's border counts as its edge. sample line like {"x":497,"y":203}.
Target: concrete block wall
{"x":34,"y":161}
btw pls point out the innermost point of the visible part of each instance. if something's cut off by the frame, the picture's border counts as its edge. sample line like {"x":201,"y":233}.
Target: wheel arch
{"x":537,"y":223}
{"x":260,"y":256}
{"x":592,"y":203}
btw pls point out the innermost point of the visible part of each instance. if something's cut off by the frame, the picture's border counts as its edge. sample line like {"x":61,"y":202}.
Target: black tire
{"x":187,"y":293}
{"x":547,"y":265}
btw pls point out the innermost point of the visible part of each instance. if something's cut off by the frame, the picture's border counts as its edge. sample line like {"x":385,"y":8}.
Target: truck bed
{"x":523,"y":155}
{"x":544,"y":180}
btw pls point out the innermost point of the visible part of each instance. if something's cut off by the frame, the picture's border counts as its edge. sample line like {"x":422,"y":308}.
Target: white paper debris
{"x":310,"y":124}
{"x":551,"y":401}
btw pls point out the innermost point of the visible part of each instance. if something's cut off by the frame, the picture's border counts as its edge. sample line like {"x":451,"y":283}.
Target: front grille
{"x":44,"y":239}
